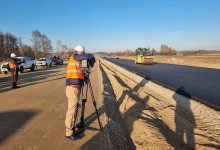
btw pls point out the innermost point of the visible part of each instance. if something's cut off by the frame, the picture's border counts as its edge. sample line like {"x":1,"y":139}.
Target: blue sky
{"x":115,"y":25}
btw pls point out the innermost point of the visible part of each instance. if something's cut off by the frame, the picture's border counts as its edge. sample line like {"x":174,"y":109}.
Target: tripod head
{"x":86,"y":69}
{"x":86,"y":66}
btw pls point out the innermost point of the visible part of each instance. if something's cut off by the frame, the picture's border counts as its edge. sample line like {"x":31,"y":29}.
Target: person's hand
{"x":91,"y":63}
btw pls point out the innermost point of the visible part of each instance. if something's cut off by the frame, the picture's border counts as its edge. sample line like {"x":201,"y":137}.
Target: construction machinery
{"x":144,"y":56}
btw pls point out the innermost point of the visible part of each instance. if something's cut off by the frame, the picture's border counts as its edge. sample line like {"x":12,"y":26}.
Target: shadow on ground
{"x":12,"y":121}
{"x":114,"y":129}
{"x":31,"y":78}
{"x":174,"y":138}
{"x":119,"y":135}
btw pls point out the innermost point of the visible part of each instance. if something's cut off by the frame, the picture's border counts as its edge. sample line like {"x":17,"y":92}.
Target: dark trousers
{"x":14,"y":74}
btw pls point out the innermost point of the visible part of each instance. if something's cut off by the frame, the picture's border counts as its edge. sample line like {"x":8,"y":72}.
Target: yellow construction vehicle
{"x":144,"y":56}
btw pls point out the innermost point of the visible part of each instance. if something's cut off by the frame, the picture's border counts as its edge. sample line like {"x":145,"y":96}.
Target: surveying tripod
{"x":81,"y":125}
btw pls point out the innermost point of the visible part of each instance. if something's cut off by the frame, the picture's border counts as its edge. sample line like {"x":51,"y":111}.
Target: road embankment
{"x":155,"y":117}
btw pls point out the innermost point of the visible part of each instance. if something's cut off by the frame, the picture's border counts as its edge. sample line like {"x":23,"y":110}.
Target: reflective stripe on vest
{"x":74,"y":64}
{"x":69,"y":71}
{"x":74,"y":69}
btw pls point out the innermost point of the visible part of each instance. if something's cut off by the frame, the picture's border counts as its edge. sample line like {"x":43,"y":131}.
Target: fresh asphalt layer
{"x":199,"y":83}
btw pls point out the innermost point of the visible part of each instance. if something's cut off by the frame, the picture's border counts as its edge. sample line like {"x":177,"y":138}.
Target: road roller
{"x":144,"y":56}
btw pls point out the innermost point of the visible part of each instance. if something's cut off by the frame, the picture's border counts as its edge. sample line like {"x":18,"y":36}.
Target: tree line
{"x":9,"y":43}
{"x":199,"y":52}
{"x":164,"y":50}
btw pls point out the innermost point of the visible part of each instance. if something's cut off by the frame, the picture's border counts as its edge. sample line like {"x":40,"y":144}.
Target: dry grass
{"x":207,"y":61}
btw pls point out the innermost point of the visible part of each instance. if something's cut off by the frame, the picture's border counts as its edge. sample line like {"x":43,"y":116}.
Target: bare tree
{"x":46,"y":45}
{"x":2,"y":51}
{"x":69,"y":53}
{"x":128,"y":53}
{"x":64,"y":48}
{"x":166,"y":50}
{"x":20,"y":46}
{"x":28,"y":51}
{"x":36,"y":35}
{"x":153,"y":51}
{"x":59,"y":46}
{"x":10,"y":44}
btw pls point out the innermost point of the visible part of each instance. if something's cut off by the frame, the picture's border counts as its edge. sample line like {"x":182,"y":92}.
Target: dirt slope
{"x":154,"y":122}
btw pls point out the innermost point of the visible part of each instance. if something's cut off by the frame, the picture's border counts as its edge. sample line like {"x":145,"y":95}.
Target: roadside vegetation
{"x":41,"y":46}
{"x":165,"y":50}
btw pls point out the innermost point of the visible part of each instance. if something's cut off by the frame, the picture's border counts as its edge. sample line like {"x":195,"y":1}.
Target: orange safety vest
{"x":74,"y":69}
{"x":11,"y":65}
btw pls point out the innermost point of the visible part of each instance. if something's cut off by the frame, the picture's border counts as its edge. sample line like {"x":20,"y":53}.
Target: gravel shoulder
{"x":32,"y":117}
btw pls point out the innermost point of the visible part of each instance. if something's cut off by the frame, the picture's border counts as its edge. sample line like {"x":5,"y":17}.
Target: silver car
{"x":45,"y":62}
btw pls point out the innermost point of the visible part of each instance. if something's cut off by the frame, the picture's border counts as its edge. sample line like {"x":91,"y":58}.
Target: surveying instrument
{"x":84,"y":93}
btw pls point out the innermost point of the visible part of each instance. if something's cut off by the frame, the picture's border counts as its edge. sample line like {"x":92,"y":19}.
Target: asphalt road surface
{"x":32,"y":117}
{"x":199,"y":83}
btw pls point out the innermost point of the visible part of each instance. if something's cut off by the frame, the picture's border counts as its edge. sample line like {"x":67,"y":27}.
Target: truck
{"x":144,"y":56}
{"x":26,"y":63}
{"x":57,"y":60}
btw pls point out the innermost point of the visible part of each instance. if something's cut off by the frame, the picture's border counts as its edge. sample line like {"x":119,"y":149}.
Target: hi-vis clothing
{"x":14,"y":68}
{"x":12,"y":65}
{"x":74,"y":74}
{"x":74,"y":80}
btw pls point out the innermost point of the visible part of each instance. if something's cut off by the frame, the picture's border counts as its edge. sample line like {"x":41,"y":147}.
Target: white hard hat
{"x":13,"y":55}
{"x":79,"y":48}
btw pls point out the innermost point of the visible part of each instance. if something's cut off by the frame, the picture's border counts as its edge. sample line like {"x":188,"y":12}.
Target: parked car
{"x":45,"y":62}
{"x":67,"y":58}
{"x":4,"y":68}
{"x":26,"y":63}
{"x":57,"y":60}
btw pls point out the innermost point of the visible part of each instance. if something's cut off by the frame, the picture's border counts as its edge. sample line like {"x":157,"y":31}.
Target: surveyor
{"x":74,"y":82}
{"x":14,"y":68}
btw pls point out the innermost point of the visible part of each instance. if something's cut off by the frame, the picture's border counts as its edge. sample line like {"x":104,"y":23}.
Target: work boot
{"x":80,"y":125}
{"x":14,"y":85}
{"x":75,"y":136}
{"x":72,"y":137}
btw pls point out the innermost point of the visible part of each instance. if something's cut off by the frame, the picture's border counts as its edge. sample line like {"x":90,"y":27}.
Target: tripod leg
{"x":83,"y":108}
{"x":82,"y":113}
{"x":75,"y":117}
{"x":94,"y":103}
{"x":79,"y":125}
